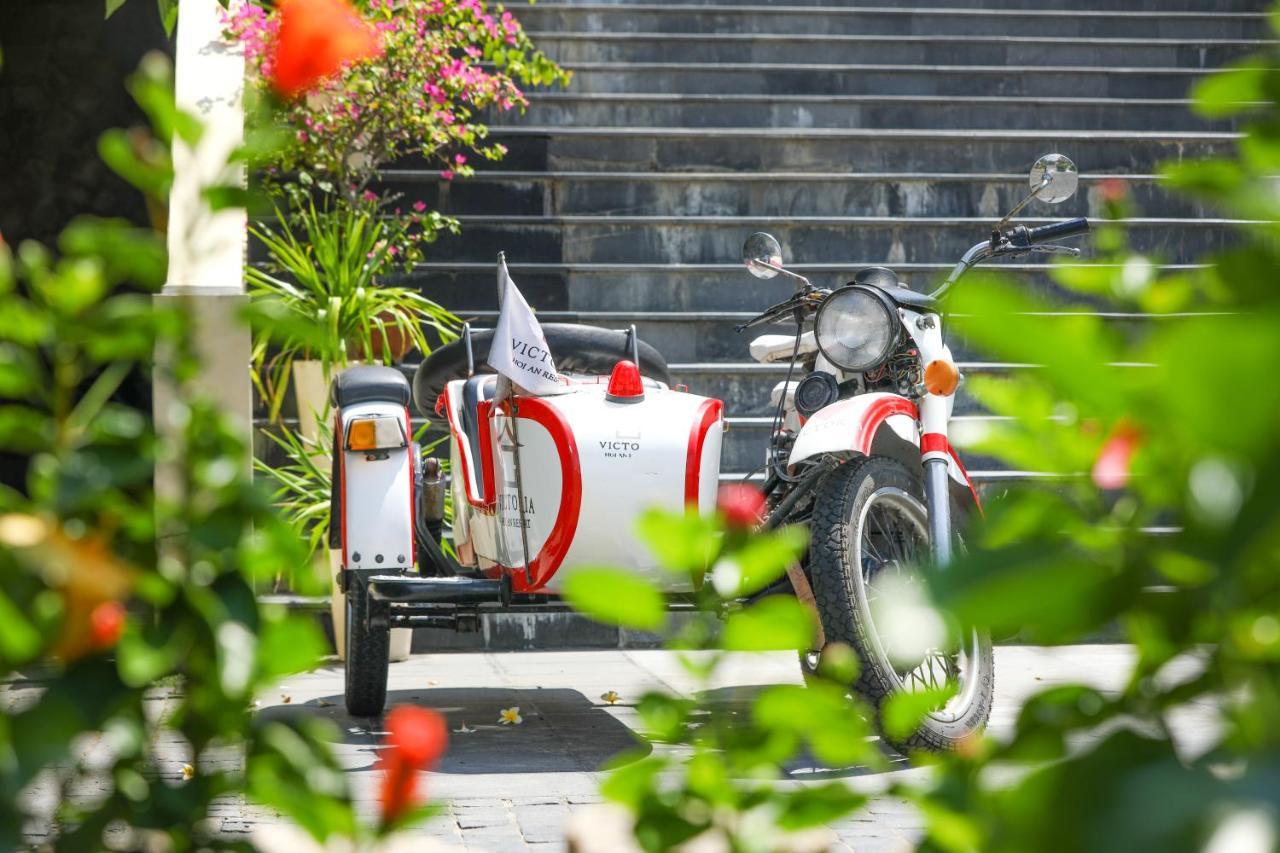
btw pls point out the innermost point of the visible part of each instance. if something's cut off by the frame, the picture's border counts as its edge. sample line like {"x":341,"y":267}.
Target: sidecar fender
{"x":872,"y":425}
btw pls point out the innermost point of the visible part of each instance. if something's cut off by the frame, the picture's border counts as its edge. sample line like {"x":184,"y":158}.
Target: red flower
{"x":1111,"y":469}
{"x":106,"y":624}
{"x":741,"y":505}
{"x":416,"y":738}
{"x":1113,"y":190}
{"x":317,"y":38}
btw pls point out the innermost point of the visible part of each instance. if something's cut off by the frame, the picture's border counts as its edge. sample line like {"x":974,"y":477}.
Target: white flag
{"x":519,"y":350}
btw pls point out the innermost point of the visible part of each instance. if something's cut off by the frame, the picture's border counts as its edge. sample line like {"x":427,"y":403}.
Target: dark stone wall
{"x":61,"y":85}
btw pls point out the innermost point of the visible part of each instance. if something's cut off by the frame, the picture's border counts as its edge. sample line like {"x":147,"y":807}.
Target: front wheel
{"x":368,"y":655}
{"x":870,"y":536}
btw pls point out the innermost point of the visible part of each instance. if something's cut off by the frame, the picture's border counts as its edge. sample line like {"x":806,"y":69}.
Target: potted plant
{"x":320,"y":303}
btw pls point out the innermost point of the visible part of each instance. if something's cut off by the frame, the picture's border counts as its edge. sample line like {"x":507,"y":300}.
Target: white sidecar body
{"x":590,"y":463}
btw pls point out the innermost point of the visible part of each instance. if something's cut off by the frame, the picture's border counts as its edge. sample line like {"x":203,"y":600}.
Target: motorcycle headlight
{"x":856,"y":328}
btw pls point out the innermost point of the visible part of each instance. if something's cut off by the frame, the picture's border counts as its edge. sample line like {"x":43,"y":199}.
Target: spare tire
{"x":575,"y":348}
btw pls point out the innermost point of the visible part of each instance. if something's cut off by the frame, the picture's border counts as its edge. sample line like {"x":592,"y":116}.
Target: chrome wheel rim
{"x":892,"y":540}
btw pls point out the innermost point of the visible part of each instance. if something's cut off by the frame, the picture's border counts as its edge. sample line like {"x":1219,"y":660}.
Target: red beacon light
{"x":624,"y":384}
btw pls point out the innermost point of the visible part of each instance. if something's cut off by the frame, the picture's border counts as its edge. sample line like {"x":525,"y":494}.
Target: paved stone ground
{"x":512,"y":788}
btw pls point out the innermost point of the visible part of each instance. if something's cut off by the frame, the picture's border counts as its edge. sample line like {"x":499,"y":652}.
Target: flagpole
{"x":515,"y":438}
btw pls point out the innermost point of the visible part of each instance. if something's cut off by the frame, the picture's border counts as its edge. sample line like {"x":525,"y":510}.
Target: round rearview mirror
{"x":1054,"y":178}
{"x":762,"y":255}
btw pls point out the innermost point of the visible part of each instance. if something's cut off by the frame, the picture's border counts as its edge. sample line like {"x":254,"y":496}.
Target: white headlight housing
{"x":857,"y":328}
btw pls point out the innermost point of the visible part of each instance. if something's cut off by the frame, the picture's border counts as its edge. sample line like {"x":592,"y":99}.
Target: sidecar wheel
{"x":368,"y":657}
{"x":869,"y":525}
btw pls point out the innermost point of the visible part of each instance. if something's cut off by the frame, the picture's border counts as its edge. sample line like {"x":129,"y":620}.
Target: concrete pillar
{"x":206,"y":247}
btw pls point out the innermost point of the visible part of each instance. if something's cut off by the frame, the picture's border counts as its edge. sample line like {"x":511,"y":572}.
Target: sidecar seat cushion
{"x":367,"y":383}
{"x":575,"y":348}
{"x":474,"y":391}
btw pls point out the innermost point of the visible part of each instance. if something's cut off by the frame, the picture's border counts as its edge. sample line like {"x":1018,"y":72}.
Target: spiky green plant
{"x":318,"y":296}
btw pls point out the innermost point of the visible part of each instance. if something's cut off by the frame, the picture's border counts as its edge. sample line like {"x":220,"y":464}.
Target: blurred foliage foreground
{"x":130,"y":615}
{"x":1177,"y":423}
{"x":1174,"y":538}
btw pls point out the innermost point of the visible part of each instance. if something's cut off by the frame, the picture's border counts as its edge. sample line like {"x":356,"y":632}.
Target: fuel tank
{"x":590,"y":464}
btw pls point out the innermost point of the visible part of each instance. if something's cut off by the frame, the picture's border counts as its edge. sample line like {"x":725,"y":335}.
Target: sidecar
{"x":537,"y":485}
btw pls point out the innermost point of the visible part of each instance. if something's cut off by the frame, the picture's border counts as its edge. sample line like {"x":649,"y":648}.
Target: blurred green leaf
{"x":903,"y":712}
{"x":682,"y":542}
{"x":1230,"y":91}
{"x":288,"y":644}
{"x":19,"y":639}
{"x":1051,"y":596}
{"x":616,"y":597}
{"x":776,"y":622}
{"x":763,"y":559}
{"x":632,"y":779}
{"x":818,"y":804}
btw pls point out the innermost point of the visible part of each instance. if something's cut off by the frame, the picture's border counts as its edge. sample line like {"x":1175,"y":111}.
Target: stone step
{"x":932,"y":112}
{"x":1195,"y":51}
{"x":613,"y":149}
{"x":705,"y":239}
{"x":470,"y":287}
{"x":707,"y":337}
{"x":744,"y":78}
{"x":763,"y":194}
{"x":762,"y":19}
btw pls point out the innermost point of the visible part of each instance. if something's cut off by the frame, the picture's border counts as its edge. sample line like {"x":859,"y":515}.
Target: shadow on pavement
{"x":737,"y":701}
{"x":563,"y":730}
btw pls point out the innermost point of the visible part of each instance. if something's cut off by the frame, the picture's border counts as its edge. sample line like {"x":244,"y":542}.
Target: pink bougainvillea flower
{"x":741,"y":505}
{"x":447,"y":174}
{"x":416,"y":738}
{"x":419,"y":206}
{"x":316,"y":39}
{"x":1111,"y":469}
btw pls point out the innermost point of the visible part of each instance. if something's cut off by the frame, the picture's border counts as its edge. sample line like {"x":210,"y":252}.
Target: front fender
{"x":877,"y":424}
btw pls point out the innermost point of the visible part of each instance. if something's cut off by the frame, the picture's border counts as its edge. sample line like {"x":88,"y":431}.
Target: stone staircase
{"x":857,"y":134}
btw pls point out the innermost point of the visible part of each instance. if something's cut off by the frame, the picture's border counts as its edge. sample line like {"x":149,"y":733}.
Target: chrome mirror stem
{"x":1044,"y":182}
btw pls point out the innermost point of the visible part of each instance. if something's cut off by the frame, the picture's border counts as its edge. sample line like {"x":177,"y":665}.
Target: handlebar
{"x":1020,"y":241}
{"x":1058,"y":230}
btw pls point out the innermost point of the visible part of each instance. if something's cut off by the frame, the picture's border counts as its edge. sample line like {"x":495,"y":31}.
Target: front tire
{"x":368,"y":655}
{"x":870,"y":524}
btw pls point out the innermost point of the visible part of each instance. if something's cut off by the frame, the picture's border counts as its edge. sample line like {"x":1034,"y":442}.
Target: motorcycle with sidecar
{"x":859,"y":453}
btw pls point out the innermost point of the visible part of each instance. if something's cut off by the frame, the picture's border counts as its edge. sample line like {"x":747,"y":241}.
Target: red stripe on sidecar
{"x":708,"y":413}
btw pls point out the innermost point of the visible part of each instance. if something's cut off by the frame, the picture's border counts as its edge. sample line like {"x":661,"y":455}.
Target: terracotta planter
{"x":398,"y":341}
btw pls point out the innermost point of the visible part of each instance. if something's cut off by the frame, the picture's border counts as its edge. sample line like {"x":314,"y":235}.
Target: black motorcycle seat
{"x":887,"y":280}
{"x":575,"y":348}
{"x":369,"y":383}
{"x":911,"y":299}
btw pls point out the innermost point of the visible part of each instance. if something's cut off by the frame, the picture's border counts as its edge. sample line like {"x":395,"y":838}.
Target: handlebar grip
{"x":1058,"y":230}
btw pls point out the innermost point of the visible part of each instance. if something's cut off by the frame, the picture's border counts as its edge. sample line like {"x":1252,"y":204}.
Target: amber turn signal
{"x":941,"y":377}
{"x":379,"y":433}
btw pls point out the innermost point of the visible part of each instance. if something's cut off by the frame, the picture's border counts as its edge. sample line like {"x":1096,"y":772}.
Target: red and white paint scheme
{"x":590,"y":464}
{"x":881,"y":423}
